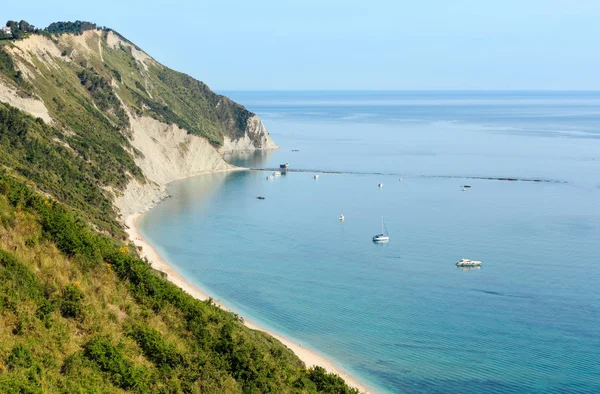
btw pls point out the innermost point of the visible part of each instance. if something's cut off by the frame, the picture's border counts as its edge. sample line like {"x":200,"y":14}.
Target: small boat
{"x":341,"y":217}
{"x":276,"y":173}
{"x":380,"y":185}
{"x":464,"y":189}
{"x":270,"y":177}
{"x":466,"y":186}
{"x":284,"y":165}
{"x":468,"y":263}
{"x":316,"y":177}
{"x":260,"y":197}
{"x":400,"y":179}
{"x":384,"y":236}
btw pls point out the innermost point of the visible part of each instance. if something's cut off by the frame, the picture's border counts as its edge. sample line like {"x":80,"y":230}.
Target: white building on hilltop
{"x":7,"y":30}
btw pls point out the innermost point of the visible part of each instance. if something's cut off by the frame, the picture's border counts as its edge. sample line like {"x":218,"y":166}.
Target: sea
{"x":401,"y":316}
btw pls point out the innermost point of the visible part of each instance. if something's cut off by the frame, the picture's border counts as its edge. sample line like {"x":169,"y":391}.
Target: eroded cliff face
{"x":31,"y":105}
{"x":255,"y":137}
{"x":165,"y":153}
{"x":148,"y":92}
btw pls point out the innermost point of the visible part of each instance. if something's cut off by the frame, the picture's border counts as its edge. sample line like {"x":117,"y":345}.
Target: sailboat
{"x":341,"y":217}
{"x":384,"y":236}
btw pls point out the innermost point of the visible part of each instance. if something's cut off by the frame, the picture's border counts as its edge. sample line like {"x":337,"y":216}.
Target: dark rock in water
{"x":260,"y":197}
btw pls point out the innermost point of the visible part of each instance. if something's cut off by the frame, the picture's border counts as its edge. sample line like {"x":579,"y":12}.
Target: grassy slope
{"x":167,"y":94}
{"x":79,"y":311}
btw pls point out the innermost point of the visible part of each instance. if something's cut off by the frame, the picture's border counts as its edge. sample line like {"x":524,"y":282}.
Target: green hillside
{"x":94,"y":64}
{"x":79,"y":310}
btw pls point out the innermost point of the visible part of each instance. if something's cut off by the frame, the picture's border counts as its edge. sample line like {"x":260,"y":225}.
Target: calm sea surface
{"x":401,"y":316}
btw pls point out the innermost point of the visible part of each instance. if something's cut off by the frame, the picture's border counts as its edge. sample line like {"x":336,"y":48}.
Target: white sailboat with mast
{"x":384,"y":236}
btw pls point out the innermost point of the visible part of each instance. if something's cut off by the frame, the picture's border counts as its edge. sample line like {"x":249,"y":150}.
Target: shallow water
{"x":400,"y":315}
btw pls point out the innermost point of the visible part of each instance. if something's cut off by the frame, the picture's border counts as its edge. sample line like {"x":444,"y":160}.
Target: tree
{"x":17,"y":34}
{"x":26,"y":27}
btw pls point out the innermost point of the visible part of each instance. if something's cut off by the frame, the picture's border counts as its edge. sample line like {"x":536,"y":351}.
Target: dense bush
{"x":18,"y":281}
{"x":121,"y":371}
{"x":155,"y":348}
{"x":20,"y":357}
{"x":76,"y":27}
{"x":71,"y":304}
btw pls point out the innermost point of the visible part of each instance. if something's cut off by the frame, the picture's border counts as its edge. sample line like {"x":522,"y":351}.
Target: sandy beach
{"x":309,"y":357}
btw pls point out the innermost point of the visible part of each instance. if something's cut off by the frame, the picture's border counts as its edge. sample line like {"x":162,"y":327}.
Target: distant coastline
{"x":309,"y":357}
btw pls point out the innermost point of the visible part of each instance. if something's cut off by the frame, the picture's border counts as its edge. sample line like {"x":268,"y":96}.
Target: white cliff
{"x":168,"y":153}
{"x":256,"y":137}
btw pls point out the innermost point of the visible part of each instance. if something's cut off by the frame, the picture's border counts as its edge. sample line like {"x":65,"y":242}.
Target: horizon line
{"x":409,"y":90}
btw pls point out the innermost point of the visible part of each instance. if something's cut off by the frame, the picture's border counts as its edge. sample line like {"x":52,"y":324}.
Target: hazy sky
{"x":348,"y":44}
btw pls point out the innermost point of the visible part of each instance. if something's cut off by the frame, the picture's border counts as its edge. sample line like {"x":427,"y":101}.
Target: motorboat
{"x":468,"y":263}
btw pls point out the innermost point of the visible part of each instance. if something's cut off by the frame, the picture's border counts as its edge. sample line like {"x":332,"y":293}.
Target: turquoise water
{"x":401,"y":316}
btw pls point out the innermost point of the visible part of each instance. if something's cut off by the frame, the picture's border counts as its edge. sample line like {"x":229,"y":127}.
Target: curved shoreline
{"x":309,"y":357}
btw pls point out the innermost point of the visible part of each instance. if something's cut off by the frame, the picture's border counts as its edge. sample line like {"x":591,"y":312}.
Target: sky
{"x":354,"y":45}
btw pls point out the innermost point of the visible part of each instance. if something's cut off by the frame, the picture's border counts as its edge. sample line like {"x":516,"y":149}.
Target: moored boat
{"x":468,"y":263}
{"x":383,"y":237}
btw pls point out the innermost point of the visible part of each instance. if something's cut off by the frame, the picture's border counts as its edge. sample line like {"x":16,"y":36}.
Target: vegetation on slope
{"x":7,"y":67}
{"x":18,"y":30}
{"x":149,"y":89}
{"x":174,"y":97}
{"x":81,"y":312}
{"x":76,"y":27}
{"x":35,"y":151}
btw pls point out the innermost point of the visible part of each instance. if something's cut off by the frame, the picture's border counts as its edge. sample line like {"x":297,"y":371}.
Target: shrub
{"x":155,"y":348}
{"x":122,"y":372}
{"x":20,"y":357}
{"x":71,"y":304}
